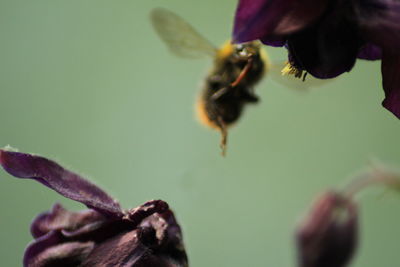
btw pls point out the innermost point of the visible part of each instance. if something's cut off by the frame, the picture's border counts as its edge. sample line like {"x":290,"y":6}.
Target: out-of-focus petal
{"x":276,"y":41}
{"x":379,"y":21}
{"x":328,"y":235}
{"x":327,"y":49}
{"x":257,"y":19}
{"x":370,"y":52}
{"x":54,"y":176}
{"x":391,"y":82}
{"x":59,"y":218}
{"x":301,"y":14}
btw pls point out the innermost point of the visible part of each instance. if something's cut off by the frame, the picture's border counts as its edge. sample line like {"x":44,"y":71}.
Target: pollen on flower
{"x":290,"y":69}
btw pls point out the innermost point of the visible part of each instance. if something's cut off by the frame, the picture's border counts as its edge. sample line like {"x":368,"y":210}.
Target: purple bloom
{"x":103,"y":235}
{"x":324,"y":37}
{"x":328,"y":235}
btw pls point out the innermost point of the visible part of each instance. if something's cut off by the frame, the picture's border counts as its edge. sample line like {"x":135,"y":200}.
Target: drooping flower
{"x":324,"y":38}
{"x":328,"y":235}
{"x":103,"y":235}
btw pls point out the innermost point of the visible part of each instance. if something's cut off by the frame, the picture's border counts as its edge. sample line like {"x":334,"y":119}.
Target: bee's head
{"x":247,"y":50}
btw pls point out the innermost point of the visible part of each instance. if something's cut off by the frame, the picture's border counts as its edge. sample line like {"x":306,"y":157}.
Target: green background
{"x":89,"y":84}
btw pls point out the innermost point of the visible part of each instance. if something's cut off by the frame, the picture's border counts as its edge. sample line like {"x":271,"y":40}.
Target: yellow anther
{"x":289,"y":69}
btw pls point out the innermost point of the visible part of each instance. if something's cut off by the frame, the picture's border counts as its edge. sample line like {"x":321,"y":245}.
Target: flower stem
{"x":374,"y":176}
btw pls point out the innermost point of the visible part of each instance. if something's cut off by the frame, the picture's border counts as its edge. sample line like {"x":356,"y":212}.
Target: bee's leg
{"x":216,"y":81}
{"x":220,"y":93}
{"x":224,"y":136}
{"x":235,"y":83}
{"x":243,"y":73}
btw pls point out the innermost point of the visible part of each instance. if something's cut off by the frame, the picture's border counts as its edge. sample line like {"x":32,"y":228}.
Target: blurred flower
{"x":103,"y":235}
{"x":324,"y":38}
{"x":328,"y":235}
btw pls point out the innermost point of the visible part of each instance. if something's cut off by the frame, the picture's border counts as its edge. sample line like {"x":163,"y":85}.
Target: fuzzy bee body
{"x":229,"y":85}
{"x":225,"y":92}
{"x":237,"y":68}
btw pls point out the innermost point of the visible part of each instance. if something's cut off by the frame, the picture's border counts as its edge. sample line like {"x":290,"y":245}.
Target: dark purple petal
{"x":49,"y":251}
{"x":100,"y":229}
{"x":137,"y":215}
{"x":173,"y":240}
{"x":255,"y":19}
{"x":379,"y":21}
{"x":258,"y":19}
{"x":117,"y":251}
{"x":370,"y":52}
{"x":327,"y":49}
{"x":328,"y":236}
{"x":156,"y":242}
{"x":60,"y":180}
{"x":276,"y":41}
{"x":301,"y":14}
{"x":39,"y":245}
{"x":61,"y":219}
{"x":391,"y":82}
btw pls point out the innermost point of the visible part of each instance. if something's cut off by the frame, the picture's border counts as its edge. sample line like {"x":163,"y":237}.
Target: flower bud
{"x":328,"y":235}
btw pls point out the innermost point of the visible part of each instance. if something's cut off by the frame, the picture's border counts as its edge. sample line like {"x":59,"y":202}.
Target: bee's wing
{"x":181,"y":38}
{"x":275,"y":73}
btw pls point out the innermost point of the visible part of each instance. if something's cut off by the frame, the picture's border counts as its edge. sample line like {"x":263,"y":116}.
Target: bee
{"x":229,"y":85}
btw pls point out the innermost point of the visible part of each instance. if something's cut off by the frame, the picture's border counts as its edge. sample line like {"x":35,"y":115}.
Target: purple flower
{"x":328,"y":235}
{"x":103,"y":235}
{"x":324,"y":37}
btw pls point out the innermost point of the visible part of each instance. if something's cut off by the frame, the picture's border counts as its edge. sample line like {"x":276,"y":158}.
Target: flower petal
{"x":50,"y":251}
{"x":276,"y":41}
{"x":370,"y":52}
{"x":301,"y":14}
{"x":100,"y":229}
{"x":64,"y":182}
{"x":255,"y":19}
{"x":327,"y":49}
{"x":391,"y":82}
{"x":379,"y":20}
{"x":137,"y":215}
{"x":118,"y":250}
{"x":258,"y":19}
{"x":61,"y":219}
{"x":39,"y":245}
{"x":156,"y":242}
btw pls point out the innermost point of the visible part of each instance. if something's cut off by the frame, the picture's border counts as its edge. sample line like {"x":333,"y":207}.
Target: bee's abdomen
{"x":226,"y":109}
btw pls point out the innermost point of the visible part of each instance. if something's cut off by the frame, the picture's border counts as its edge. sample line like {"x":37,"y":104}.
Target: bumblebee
{"x":237,"y":68}
{"x":228,"y":87}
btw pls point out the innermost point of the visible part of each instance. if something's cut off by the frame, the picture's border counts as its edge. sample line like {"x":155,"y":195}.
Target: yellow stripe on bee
{"x":202,"y":114}
{"x":225,"y":51}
